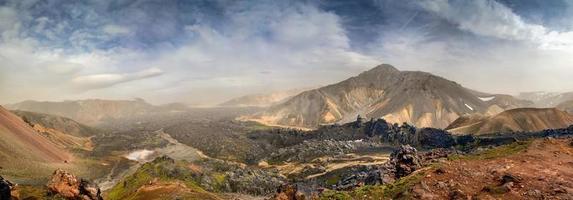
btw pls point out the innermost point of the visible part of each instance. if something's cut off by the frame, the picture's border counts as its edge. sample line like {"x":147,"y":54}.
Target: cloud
{"x":116,"y":30}
{"x":98,"y":81}
{"x":493,"y":19}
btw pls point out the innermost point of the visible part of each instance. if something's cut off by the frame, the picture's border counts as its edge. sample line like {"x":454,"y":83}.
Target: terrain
{"x":23,"y":150}
{"x":546,"y":99}
{"x":94,"y":112}
{"x":515,"y":120}
{"x":503,"y":172}
{"x":414,"y":97}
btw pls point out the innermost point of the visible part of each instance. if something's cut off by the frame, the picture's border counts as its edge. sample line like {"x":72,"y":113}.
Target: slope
{"x":418,"y":98}
{"x":521,"y":119}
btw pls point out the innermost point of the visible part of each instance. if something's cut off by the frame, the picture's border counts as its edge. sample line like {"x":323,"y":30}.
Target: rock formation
{"x":68,"y":186}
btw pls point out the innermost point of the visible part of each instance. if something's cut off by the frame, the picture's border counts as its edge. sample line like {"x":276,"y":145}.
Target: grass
{"x":497,"y":152}
{"x":398,"y":190}
{"x":158,"y":171}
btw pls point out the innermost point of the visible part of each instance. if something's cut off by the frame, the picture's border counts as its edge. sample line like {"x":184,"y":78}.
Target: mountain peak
{"x":383,"y":68}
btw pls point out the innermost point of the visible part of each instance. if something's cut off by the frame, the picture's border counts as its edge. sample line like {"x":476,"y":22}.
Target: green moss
{"x":497,"y":152}
{"x":398,"y":190}
{"x":332,"y":180}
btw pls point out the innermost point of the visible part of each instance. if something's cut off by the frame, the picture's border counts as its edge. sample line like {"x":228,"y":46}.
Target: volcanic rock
{"x":67,"y":185}
{"x":405,"y":160}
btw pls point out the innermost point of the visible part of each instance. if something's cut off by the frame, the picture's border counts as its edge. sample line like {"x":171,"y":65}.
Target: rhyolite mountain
{"x":415,"y":97}
{"x":95,"y":111}
{"x":546,"y":99}
{"x":514,"y":120}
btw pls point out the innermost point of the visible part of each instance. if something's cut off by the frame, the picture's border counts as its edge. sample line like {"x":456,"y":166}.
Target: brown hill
{"x":521,"y":119}
{"x":23,"y":151}
{"x":95,"y":111}
{"x":415,"y":97}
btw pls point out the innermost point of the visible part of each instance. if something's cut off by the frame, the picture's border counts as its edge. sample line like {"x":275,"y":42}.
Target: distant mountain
{"x":520,"y":119}
{"x":95,"y":111}
{"x":546,"y":99}
{"x":566,"y":106}
{"x":262,"y":100}
{"x":415,"y":97}
{"x":23,"y":150}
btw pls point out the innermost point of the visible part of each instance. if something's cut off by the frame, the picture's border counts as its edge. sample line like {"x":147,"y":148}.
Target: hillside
{"x":546,"y":99}
{"x":521,"y":119}
{"x":95,"y":111}
{"x":23,"y":150}
{"x":566,"y":106}
{"x":418,"y":98}
{"x":262,"y":100}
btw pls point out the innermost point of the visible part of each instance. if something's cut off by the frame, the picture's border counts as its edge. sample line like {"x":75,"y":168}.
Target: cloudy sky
{"x":203,"y":52}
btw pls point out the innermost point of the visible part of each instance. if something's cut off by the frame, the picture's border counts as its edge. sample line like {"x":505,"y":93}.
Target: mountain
{"x":521,"y":119}
{"x":566,"y":106}
{"x":64,"y":132}
{"x":262,"y":100}
{"x":415,"y":97}
{"x":95,"y":111}
{"x":546,"y":99}
{"x":23,"y":149}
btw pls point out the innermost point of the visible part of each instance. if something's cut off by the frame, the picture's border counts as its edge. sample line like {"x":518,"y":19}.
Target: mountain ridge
{"x":415,"y":97}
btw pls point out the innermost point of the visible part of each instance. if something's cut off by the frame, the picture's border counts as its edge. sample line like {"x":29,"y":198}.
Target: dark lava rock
{"x":405,"y":160}
{"x":434,"y":138}
{"x":507,"y":178}
{"x":5,"y":189}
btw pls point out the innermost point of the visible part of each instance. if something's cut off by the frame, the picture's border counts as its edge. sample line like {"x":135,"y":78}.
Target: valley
{"x":136,"y":150}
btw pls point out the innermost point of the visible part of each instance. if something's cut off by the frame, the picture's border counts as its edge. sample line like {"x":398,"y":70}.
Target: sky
{"x":203,"y":52}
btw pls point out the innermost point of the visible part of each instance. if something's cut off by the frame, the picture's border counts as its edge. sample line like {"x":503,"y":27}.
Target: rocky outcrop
{"x":288,"y":192}
{"x":67,"y":185}
{"x":405,"y":161}
{"x":5,"y":189}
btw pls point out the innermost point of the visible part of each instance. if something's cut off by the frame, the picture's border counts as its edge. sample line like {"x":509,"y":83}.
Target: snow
{"x":487,"y":98}
{"x":140,"y":155}
{"x":468,"y":106}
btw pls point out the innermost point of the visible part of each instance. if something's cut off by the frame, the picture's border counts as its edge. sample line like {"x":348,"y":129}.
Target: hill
{"x":23,"y":150}
{"x":414,"y":97}
{"x":521,"y":119}
{"x":262,"y":100}
{"x":546,"y":99}
{"x":95,"y":111}
{"x":566,"y":106}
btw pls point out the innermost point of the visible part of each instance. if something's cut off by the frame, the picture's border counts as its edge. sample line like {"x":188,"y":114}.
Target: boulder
{"x":405,"y":160}
{"x":288,"y":192}
{"x":68,"y":186}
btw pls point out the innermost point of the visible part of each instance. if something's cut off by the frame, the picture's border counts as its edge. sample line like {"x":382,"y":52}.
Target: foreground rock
{"x":288,"y":192}
{"x":5,"y":189}
{"x":68,"y":186}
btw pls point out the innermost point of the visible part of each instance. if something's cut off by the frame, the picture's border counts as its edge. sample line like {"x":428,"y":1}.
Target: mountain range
{"x":415,"y":97}
{"x":515,"y":120}
{"x":95,"y":111}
